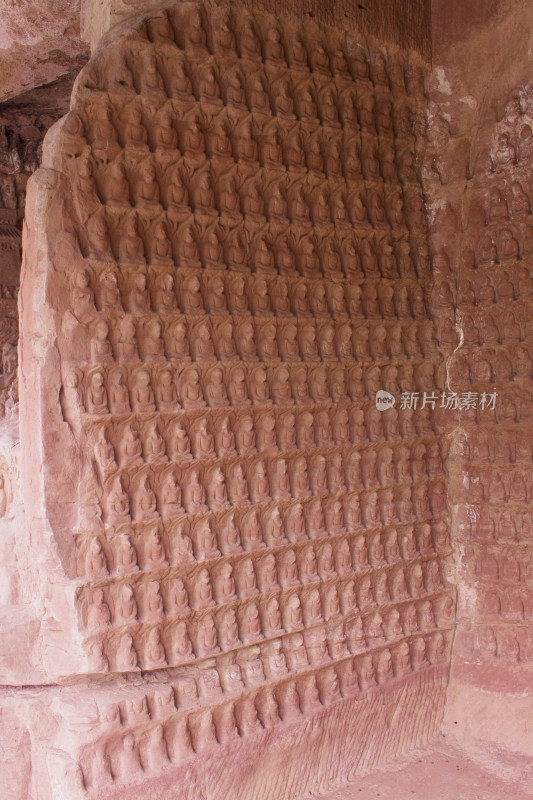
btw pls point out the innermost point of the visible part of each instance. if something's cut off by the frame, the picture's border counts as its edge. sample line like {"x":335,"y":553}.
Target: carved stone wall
{"x":494,"y":291}
{"x":476,"y":165}
{"x":18,"y":159}
{"x":228,"y":260}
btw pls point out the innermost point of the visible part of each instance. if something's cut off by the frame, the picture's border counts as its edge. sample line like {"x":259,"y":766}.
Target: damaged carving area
{"x":264,"y":499}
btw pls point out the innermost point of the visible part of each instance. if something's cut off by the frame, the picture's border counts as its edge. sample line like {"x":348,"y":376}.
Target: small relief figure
{"x":295,"y":525}
{"x":150,"y":81}
{"x":216,"y":295}
{"x":520,"y":204}
{"x":234,"y":89}
{"x":179,"y":443}
{"x":178,"y":342}
{"x":207,"y":637}
{"x":246,"y":147}
{"x":130,"y":448}
{"x":229,"y":535}
{"x":246,"y":579}
{"x":203,"y":592}
{"x":178,"y":599}
{"x":95,"y":560}
{"x":139,"y":295}
{"x":237,"y":388}
{"x":154,"y":554}
{"x":180,"y":86}
{"x":126,"y":556}
{"x":165,"y":296}
{"x":236,"y":252}
{"x":165,"y":392}
{"x":105,"y":456}
{"x":161,"y":252}
{"x":177,"y":193}
{"x":126,"y":340}
{"x":203,"y":193}
{"x":99,"y":242}
{"x":217,"y":492}
{"x":259,"y":101}
{"x":203,"y":343}
{"x":181,"y":544}
{"x":165,"y":134}
{"x":203,"y":440}
{"x":225,"y":342}
{"x":250,"y":628}
{"x":144,"y":500}
{"x":147,"y":193}
{"x":153,"y":345}
{"x":108,"y":291}
{"x":154,"y":446}
{"x":153,"y":602}
{"x":191,"y":296}
{"x":194,"y":493}
{"x":104,"y":133}
{"x":134,"y":136}
{"x":125,"y":605}
{"x":142,"y":394}
{"x":98,"y":615}
{"x":228,"y":194}
{"x":117,"y":185}
{"x":280,"y":481}
{"x":181,"y":644}
{"x":504,"y":155}
{"x":190,"y":388}
{"x":228,"y":631}
{"x":194,"y":140}
{"x":96,"y":397}
{"x":127,"y":661}
{"x":252,"y":202}
{"x":215,"y":388}
{"x":100,"y":345}
{"x":225,"y":439}
{"x":213,"y":251}
{"x":259,"y":483}
{"x":131,"y":246}
{"x":83,"y":297}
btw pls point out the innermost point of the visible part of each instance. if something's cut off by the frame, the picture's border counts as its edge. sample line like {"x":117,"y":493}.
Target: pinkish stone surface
{"x":217,"y":549}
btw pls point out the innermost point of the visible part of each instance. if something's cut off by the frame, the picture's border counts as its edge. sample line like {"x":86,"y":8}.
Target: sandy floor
{"x":444,"y":773}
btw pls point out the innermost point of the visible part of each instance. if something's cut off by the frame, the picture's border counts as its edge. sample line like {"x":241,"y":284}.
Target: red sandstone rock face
{"x":40,"y":43}
{"x":485,"y":268}
{"x":228,"y":261}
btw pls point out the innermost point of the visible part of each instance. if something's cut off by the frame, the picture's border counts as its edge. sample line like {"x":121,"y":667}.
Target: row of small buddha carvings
{"x":103,"y":288}
{"x":157,"y":489}
{"x":208,"y":632}
{"x":327,"y":440}
{"x":278,"y":103}
{"x":488,"y":483}
{"x":507,"y":526}
{"x":182,"y":540}
{"x":499,"y":365}
{"x":506,"y":603}
{"x":271,"y":341}
{"x":250,"y":40}
{"x":138,"y":546}
{"x":500,"y":564}
{"x":506,"y":641}
{"x":105,"y":390}
{"x":496,"y":285}
{"x":148,"y":495}
{"x":283,"y":157}
{"x":489,"y":445}
{"x":127,"y":751}
{"x":315,"y":253}
{"x":254,"y":193}
{"x":317,"y":567}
